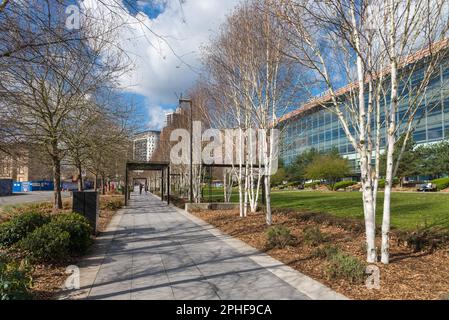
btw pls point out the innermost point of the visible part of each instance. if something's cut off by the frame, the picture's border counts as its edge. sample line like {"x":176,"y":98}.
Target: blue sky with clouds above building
{"x":165,"y":47}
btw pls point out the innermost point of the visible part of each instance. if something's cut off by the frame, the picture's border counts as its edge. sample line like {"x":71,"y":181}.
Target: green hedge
{"x":15,"y":280}
{"x":19,"y":226}
{"x":344,"y":185}
{"x":48,"y":243}
{"x":441,"y":184}
{"x":79,"y":230}
{"x":64,"y":236}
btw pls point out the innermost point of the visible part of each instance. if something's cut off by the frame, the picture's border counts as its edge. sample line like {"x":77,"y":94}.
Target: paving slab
{"x":152,"y":251}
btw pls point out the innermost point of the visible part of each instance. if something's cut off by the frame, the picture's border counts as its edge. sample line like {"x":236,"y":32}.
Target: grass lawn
{"x":409,"y":210}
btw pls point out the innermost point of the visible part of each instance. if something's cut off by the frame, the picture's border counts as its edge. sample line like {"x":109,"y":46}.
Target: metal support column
{"x":126,"y":187}
{"x":162,"y":185}
{"x":168,"y":185}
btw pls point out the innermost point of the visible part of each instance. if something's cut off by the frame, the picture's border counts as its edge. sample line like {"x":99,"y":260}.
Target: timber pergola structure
{"x":161,"y":166}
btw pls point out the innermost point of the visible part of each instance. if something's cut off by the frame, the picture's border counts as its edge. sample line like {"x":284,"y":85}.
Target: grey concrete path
{"x":30,"y":197}
{"x":152,"y":251}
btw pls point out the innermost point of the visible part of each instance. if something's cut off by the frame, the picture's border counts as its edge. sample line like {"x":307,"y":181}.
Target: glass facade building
{"x":313,"y":126}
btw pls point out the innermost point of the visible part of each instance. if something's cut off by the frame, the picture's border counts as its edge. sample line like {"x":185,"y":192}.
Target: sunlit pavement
{"x":157,"y":252}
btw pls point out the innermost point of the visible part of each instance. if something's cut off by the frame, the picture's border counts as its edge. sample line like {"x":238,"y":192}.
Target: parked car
{"x":426,"y":187}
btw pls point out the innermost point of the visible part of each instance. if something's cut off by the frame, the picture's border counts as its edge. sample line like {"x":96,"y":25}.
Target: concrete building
{"x":173,"y":118}
{"x":169,"y":118}
{"x":29,"y":166}
{"x":313,"y":126}
{"x":144,"y":145}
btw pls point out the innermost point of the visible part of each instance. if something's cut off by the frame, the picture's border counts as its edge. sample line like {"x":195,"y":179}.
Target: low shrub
{"x":295,"y":184}
{"x":441,"y":184}
{"x":79,"y":230}
{"x":319,"y":218}
{"x":345,"y":266}
{"x":349,"y":224}
{"x":312,"y":185}
{"x":381,"y":183}
{"x":423,"y":238}
{"x":47,"y":244}
{"x":313,"y":236}
{"x":113,"y":204}
{"x":344,"y":185}
{"x":19,"y":226}
{"x":325,"y":252}
{"x":15,"y":280}
{"x":279,"y":237}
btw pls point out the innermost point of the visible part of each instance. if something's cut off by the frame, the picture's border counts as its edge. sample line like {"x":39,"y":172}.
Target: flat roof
{"x":147,"y":131}
{"x":143,"y":165}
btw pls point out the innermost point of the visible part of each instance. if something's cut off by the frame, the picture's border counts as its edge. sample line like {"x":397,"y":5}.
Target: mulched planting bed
{"x":411,"y":275}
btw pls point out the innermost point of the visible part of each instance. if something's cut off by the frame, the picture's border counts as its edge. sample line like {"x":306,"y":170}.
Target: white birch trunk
{"x":240,"y":173}
{"x":385,"y":250}
{"x":245,"y":201}
{"x":225,"y":186}
{"x":365,"y":153}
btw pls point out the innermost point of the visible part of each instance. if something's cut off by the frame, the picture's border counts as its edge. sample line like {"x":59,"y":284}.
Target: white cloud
{"x":159,"y":73}
{"x":157,"y":116}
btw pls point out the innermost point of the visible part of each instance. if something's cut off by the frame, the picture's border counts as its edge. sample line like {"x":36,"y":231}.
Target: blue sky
{"x":151,"y":8}
{"x":166,"y":49}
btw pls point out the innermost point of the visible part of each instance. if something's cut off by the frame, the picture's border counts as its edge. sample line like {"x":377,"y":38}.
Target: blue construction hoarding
{"x":30,"y":186}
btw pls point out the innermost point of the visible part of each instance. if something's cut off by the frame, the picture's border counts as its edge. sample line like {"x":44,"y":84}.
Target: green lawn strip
{"x":409,"y":210}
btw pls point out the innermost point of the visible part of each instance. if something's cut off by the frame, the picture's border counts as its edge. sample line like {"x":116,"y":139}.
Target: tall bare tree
{"x":47,"y":85}
{"x":255,"y":85}
{"x":329,"y":38}
{"x":377,"y":47}
{"x":414,"y":37}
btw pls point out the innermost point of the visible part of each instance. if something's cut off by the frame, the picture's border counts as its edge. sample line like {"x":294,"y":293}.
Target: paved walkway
{"x":154,"y":252}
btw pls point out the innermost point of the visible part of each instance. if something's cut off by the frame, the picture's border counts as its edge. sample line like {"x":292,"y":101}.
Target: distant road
{"x":37,"y":196}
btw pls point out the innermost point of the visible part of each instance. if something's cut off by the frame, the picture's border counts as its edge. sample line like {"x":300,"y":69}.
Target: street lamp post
{"x":191,"y":146}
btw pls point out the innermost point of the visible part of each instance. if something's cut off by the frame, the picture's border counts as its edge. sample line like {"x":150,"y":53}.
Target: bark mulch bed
{"x":411,"y":275}
{"x":48,"y":279}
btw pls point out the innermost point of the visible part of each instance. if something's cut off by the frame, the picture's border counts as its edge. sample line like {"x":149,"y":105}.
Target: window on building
{"x":434,"y":108}
{"x":435,"y":133}
{"x":351,"y":148}
{"x":322,"y":137}
{"x":420,"y":136}
{"x":446,"y":104}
